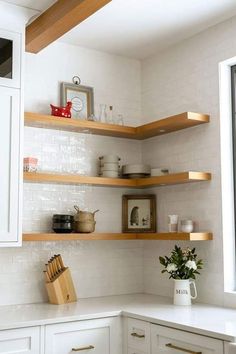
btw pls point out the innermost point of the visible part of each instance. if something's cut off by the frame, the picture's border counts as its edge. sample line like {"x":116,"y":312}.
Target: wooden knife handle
{"x":48,"y":270}
{"x":58,"y":264}
{"x":61,"y":262}
{"x":46,"y":276}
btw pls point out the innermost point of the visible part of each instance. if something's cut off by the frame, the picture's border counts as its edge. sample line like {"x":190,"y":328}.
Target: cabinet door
{"x":10,"y":166}
{"x":10,"y":58}
{"x":22,"y":341}
{"x":101,"y":336}
{"x":171,"y":341}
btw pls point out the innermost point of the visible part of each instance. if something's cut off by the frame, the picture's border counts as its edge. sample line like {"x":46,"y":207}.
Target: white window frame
{"x":227,"y":182}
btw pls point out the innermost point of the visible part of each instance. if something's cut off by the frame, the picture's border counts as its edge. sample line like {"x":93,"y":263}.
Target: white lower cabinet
{"x":101,"y":336}
{"x":21,"y":340}
{"x":171,"y":341}
{"x":146,"y":338}
{"x":138,"y":336}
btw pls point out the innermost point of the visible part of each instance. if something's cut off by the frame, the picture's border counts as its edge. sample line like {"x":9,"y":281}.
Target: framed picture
{"x":139,"y":213}
{"x":81,"y":98}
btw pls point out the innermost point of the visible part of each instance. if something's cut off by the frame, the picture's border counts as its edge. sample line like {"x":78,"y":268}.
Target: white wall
{"x":98,"y":267}
{"x":116,"y":80}
{"x":183,"y":78}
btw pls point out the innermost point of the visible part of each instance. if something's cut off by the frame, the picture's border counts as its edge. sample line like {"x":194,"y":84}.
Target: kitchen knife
{"x":61,"y":262}
{"x":46,"y":276}
{"x":58,"y":264}
{"x":48,"y":270}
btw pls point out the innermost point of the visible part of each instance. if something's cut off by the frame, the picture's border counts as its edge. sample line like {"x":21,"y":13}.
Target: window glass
{"x":6,"y":52}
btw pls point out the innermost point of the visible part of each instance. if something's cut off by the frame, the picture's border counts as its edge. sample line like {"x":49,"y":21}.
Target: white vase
{"x":182,"y":292}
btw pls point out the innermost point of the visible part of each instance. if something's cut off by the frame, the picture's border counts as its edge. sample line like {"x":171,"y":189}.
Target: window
{"x":233,"y":98}
{"x":227,"y":83}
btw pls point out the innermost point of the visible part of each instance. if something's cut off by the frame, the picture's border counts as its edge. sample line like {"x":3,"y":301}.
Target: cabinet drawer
{"x":93,"y":336}
{"x":23,"y":341}
{"x":134,"y":351}
{"x":172,"y":341}
{"x":139,"y":335}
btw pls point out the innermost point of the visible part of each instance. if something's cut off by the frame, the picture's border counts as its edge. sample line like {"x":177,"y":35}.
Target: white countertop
{"x":203,"y":319}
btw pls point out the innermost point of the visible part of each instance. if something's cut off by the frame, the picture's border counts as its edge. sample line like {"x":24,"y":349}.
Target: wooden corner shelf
{"x":179,"y":236}
{"x":36,"y":177}
{"x":75,"y":236}
{"x":159,"y":127}
{"x":171,"y":124}
{"x":171,"y":179}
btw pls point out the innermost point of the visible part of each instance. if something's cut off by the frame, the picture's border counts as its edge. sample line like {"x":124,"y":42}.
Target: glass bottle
{"x":110,"y":117}
{"x":103,"y":113}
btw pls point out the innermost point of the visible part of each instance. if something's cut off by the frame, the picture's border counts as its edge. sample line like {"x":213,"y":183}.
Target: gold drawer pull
{"x":169,"y":345}
{"x":134,"y":334}
{"x":82,"y":348}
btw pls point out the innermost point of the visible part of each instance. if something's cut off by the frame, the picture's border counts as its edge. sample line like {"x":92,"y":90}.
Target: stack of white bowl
{"x":109,"y":166}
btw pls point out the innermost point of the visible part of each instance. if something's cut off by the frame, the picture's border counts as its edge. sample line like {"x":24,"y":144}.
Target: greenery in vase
{"x":182,"y":264}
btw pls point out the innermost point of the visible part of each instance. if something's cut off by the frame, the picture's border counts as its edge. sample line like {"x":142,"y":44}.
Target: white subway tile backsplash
{"x":98,"y":267}
{"x":184,"y":77}
{"x":187,"y":79}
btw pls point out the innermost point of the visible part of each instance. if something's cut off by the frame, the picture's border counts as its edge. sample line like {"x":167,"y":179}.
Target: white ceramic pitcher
{"x":182,"y":292}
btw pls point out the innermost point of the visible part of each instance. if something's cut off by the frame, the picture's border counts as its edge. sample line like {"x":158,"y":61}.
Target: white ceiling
{"x":139,"y":28}
{"x":40,"y":5}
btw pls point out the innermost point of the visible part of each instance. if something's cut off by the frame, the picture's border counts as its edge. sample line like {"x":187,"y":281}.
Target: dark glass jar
{"x":62,"y":224}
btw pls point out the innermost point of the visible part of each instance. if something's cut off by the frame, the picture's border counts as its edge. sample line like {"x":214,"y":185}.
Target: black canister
{"x":62,"y":224}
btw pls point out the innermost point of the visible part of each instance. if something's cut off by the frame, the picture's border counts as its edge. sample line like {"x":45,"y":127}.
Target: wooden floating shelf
{"x":159,"y":127}
{"x":179,"y":236}
{"x":171,"y":179}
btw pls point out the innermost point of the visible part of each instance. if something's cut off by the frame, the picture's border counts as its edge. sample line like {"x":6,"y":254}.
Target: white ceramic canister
{"x":182,"y":292}
{"x":109,"y":159}
{"x":109,"y":167}
{"x":110,"y":174}
{"x":186,"y":225}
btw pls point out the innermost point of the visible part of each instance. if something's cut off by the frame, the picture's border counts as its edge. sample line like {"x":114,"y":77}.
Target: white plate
{"x":136,"y":168}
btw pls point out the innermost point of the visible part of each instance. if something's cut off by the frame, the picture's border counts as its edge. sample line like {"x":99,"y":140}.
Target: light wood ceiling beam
{"x":57,"y":20}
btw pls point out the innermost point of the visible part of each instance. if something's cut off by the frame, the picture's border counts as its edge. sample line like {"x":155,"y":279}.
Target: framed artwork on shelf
{"x":81,"y":97}
{"x":139,"y":213}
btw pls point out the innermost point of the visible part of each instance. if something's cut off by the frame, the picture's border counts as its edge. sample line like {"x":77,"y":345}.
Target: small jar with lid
{"x":186,"y":226}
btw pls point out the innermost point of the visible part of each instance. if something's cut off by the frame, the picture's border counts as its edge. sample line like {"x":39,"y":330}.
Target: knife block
{"x":61,"y":290}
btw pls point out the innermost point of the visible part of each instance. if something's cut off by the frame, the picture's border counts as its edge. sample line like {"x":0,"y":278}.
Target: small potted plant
{"x":182,"y":266}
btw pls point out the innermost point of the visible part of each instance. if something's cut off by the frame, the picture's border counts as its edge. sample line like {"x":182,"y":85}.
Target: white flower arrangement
{"x":182,"y":264}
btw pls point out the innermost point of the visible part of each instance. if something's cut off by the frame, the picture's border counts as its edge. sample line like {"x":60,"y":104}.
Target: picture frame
{"x":82,"y":98}
{"x":139,"y":213}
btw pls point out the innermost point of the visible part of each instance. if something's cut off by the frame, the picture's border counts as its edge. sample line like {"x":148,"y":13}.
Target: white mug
{"x":182,"y":292}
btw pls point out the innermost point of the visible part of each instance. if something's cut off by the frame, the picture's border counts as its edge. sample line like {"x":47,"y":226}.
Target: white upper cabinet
{"x":10,"y":162}
{"x":12,"y":27}
{"x":10,"y":58}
